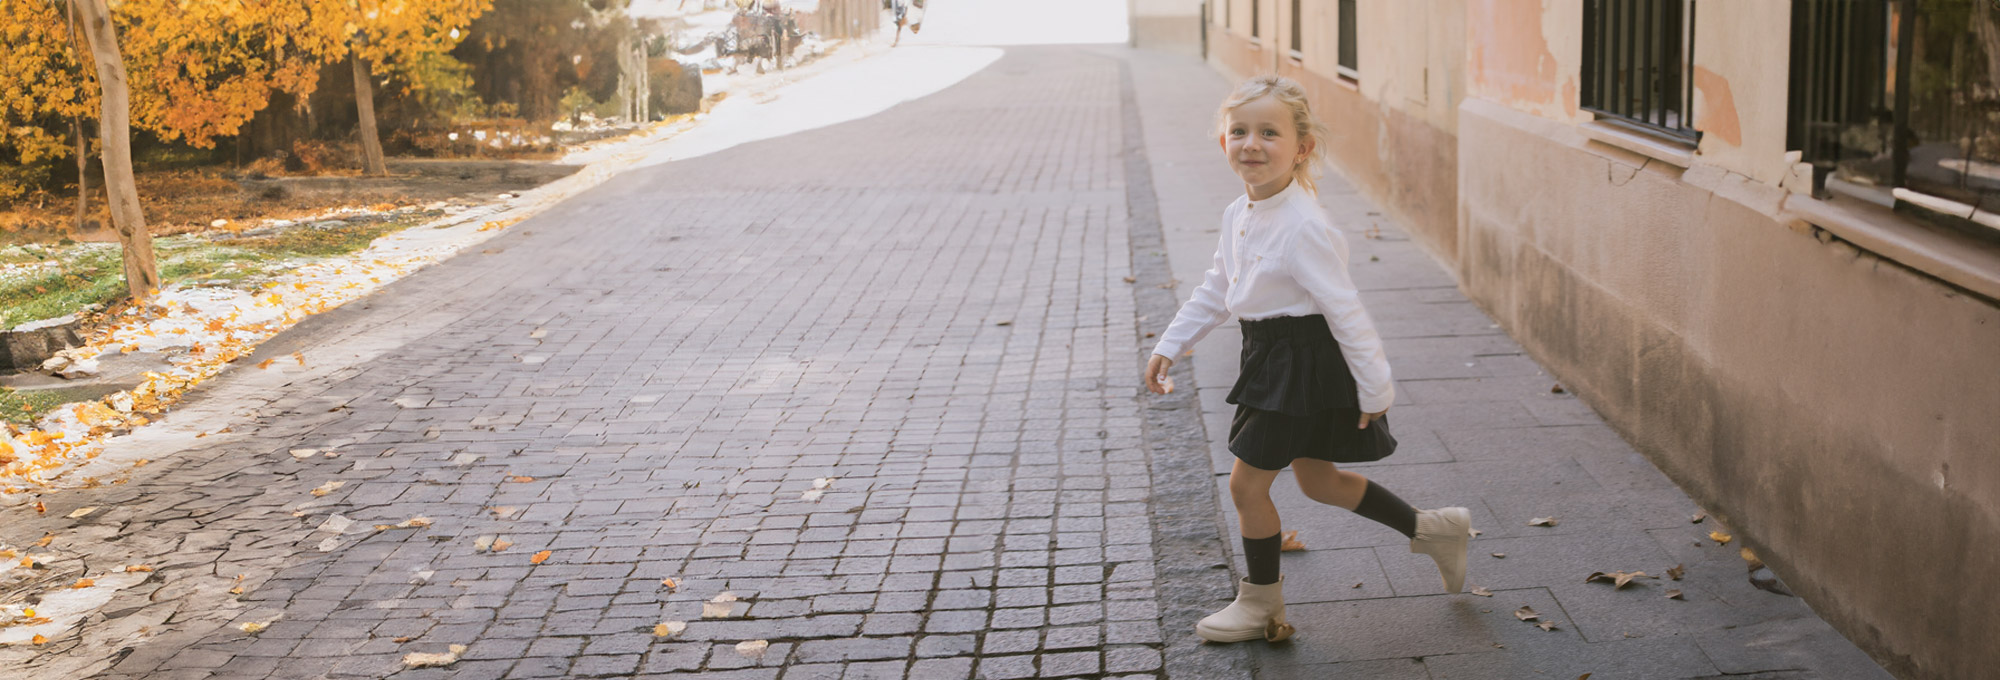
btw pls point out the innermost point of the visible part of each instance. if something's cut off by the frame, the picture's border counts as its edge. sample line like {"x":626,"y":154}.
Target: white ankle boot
{"x":1443,"y":534}
{"x":1258,"y":612}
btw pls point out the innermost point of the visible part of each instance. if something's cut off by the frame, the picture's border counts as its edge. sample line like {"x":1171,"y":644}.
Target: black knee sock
{"x":1261,"y":554}
{"x":1380,"y":505}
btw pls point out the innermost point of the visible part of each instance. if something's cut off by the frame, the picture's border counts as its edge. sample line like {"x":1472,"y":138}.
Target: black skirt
{"x":1296,"y":399}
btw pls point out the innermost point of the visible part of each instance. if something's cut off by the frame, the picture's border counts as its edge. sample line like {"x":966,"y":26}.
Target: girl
{"x":1314,"y":388}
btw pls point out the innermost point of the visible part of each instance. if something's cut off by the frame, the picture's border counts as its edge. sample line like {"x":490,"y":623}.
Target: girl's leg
{"x":1443,"y":533}
{"x":1323,"y":482}
{"x":1257,"y":516}
{"x":1259,"y":609}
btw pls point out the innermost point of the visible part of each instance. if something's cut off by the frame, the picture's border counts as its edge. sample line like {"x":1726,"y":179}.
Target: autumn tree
{"x":398,"y":37}
{"x":46,"y":88}
{"x":114,"y":131}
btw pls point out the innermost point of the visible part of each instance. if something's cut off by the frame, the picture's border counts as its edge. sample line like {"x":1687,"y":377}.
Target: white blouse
{"x":1282,"y":257}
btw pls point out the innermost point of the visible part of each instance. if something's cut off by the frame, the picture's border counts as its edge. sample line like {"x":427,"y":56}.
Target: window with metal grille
{"x":1348,"y":65}
{"x":1255,"y":25}
{"x":1637,"y":56}
{"x":1298,"y":31}
{"x":1889,"y":98}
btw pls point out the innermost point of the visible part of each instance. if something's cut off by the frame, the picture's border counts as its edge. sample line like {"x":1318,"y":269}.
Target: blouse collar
{"x":1290,"y":191}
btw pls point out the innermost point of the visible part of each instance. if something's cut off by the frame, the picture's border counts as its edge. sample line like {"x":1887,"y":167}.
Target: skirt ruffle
{"x":1292,"y":365}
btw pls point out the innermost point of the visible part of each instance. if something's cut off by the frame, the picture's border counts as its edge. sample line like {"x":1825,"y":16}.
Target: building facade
{"x":1754,"y":235}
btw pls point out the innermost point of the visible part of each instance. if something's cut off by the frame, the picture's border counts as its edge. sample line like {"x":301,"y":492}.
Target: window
{"x":1636,"y":60}
{"x":1349,"y":66}
{"x":1298,"y":32}
{"x":1255,"y":5}
{"x":1889,"y":98}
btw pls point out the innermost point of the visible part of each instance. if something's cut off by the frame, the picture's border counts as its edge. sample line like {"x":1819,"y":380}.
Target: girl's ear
{"x":1306,"y":147}
{"x":1222,"y":140}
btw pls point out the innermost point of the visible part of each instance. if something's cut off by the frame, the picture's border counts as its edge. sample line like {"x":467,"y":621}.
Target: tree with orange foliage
{"x":45,"y":86}
{"x":397,"y":36}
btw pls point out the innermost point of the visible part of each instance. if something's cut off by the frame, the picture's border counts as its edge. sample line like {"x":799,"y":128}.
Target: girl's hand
{"x":1156,"y":369}
{"x":1367,"y":418}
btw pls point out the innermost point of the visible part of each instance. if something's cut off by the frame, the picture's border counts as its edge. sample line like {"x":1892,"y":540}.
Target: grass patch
{"x":95,"y":274}
{"x":22,"y":408}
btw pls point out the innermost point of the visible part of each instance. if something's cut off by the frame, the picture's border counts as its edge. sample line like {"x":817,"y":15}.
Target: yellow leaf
{"x":1720,"y":537}
{"x":41,"y":640}
{"x":540,"y":557}
{"x":1291,"y":542}
{"x":46,"y":539}
{"x":327,"y":488}
{"x":669,"y":629}
{"x":84,"y":583}
{"x":137,"y":568}
{"x":299,"y":357}
{"x":500,"y":544}
{"x":672,"y":585}
{"x":265,"y":364}
{"x":252,"y":627}
{"x":521,"y":479}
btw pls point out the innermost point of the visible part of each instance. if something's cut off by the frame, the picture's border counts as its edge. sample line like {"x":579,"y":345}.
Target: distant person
{"x":910,"y":13}
{"x":1315,"y":386}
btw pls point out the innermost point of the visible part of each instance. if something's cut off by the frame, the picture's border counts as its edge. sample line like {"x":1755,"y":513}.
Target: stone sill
{"x":1664,"y":149}
{"x":1955,"y":258}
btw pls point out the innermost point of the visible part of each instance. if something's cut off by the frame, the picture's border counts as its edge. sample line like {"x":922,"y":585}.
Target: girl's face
{"x":1263,"y":145}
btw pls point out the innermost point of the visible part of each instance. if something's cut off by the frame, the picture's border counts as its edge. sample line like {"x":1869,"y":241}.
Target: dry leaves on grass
{"x":433,"y":660}
{"x":1291,"y":543}
{"x":1543,"y":522}
{"x":1619,"y":579}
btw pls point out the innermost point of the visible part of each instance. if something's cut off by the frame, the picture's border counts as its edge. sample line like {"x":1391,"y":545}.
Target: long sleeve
{"x":1203,"y":311}
{"x":1319,"y":264}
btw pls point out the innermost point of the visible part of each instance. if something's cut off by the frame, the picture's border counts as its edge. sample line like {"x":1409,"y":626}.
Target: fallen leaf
{"x":823,"y":482}
{"x":404,"y":639}
{"x":669,"y":629}
{"x":299,"y":357}
{"x":431,"y":660}
{"x":82,"y":512}
{"x":252,"y":627}
{"x":1698,"y":517}
{"x":1542,"y":522}
{"x":1475,"y":532}
{"x":411,"y":523}
{"x":811,"y":495}
{"x":1545,"y":625}
{"x":1500,"y":556}
{"x":540,"y":557}
{"x":1619,"y":579}
{"x":1675,"y":572}
{"x":520,"y":479}
{"x":1291,"y":543}
{"x":500,"y":544}
{"x":751,"y":647}
{"x":1751,"y":558}
{"x":40,"y":508}
{"x":1481,"y":591}
{"x":40,"y":640}
{"x":303,"y":453}
{"x":46,"y":540}
{"x":1585,"y":676}
{"x":1526,"y":613}
{"x":1129,"y":279}
{"x":724,"y":596}
{"x":1720,"y":537}
{"x":265,"y":364}
{"x":1557,"y":389}
{"x":672,"y":585}
{"x":504,"y":511}
{"x":140,"y":462}
{"x":137,"y":568}
{"x":328,"y":488}
{"x":1674,"y":594}
{"x":1356,"y":585}
{"x":84,"y":583}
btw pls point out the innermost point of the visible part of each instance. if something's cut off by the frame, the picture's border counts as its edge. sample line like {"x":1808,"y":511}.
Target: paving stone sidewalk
{"x":1480,"y":427}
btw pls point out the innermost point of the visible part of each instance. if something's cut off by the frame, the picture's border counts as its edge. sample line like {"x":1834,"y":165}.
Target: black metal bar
{"x":1906,"y":35}
{"x":1589,"y":65}
{"x":1687,"y":116}
{"x":1646,"y":62}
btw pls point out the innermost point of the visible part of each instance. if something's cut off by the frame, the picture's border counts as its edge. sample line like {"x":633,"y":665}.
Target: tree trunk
{"x":82,"y":180}
{"x":1989,"y":38}
{"x":364,"y":101}
{"x":114,"y":130}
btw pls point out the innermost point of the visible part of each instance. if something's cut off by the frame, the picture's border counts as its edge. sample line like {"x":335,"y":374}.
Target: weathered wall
{"x":1836,"y":410}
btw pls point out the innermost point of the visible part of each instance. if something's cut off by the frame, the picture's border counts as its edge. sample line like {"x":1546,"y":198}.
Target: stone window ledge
{"x":1636,"y":140}
{"x":1955,"y":258}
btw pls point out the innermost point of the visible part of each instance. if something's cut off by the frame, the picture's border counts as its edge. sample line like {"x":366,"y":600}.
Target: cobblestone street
{"x":863,"y":402}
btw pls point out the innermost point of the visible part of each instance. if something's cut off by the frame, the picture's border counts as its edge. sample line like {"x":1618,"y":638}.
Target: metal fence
{"x":1636,"y":63}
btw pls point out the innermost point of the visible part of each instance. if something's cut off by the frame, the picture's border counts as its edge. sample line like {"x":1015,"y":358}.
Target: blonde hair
{"x":1307,"y":125}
